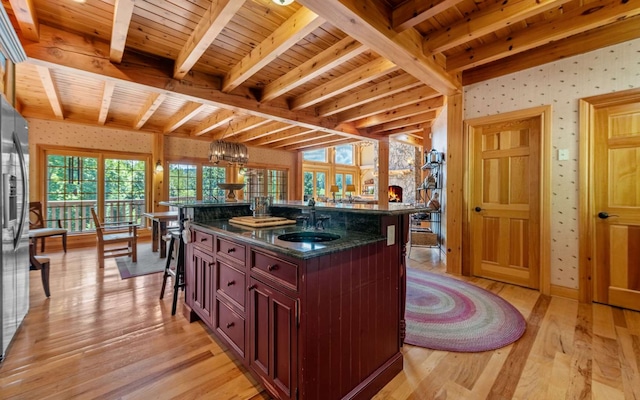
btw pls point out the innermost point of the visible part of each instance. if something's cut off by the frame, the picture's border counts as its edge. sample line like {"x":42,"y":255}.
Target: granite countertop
{"x":390,"y":209}
{"x":267,"y":238}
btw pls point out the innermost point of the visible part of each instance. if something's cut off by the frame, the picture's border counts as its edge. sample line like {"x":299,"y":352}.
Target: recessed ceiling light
{"x":80,"y":1}
{"x":283,"y":2}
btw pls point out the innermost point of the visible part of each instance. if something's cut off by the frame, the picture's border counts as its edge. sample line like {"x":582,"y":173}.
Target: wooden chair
{"x":38,"y":230}
{"x":39,"y":263}
{"x":108,"y":235}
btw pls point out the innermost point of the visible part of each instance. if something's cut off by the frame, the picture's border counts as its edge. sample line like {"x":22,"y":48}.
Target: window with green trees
{"x":211,"y":176}
{"x":72,"y":189}
{"x":182,"y":182}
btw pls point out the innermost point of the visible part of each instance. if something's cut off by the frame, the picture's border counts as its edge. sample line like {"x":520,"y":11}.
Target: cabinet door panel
{"x":273,"y":338}
{"x":202,"y":285}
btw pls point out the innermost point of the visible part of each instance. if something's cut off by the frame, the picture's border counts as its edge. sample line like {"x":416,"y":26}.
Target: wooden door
{"x":202,"y":290}
{"x":617,"y":205}
{"x":505,"y":201}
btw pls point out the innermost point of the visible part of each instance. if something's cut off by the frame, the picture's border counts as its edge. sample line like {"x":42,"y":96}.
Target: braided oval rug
{"x":443,"y":313}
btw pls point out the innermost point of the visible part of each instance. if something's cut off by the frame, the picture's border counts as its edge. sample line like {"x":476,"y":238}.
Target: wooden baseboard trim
{"x":562,"y":291}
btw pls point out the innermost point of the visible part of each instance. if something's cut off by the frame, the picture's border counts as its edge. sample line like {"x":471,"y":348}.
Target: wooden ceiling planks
{"x":476,"y":38}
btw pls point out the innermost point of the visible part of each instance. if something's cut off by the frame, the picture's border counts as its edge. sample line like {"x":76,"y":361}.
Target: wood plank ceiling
{"x":311,"y":74}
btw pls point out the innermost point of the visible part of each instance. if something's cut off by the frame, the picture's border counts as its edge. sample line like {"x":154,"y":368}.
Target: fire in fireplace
{"x":395,"y":194}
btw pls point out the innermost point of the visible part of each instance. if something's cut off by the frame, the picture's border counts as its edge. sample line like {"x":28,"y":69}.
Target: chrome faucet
{"x":312,"y":213}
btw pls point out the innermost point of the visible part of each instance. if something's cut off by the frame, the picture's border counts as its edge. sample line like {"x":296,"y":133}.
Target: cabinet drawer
{"x":276,"y":269}
{"x":230,"y":326}
{"x":231,"y":284}
{"x":231,"y":249}
{"x":203,"y":241}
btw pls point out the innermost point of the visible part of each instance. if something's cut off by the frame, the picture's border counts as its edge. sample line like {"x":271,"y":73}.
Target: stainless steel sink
{"x":309,"y":237}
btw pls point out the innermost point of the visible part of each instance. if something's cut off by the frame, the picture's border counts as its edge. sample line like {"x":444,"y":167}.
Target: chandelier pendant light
{"x":233,"y":153}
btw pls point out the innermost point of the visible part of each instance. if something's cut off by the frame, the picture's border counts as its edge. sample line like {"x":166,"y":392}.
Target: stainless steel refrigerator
{"x":14,"y":197}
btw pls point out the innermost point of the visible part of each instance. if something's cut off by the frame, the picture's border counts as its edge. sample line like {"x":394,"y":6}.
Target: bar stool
{"x":174,"y":266}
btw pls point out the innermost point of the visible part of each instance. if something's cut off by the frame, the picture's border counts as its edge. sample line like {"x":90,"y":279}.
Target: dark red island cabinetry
{"x":325,"y":327}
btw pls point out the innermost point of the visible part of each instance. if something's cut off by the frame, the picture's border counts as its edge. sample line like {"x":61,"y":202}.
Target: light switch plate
{"x":563,"y":154}
{"x":391,"y":235}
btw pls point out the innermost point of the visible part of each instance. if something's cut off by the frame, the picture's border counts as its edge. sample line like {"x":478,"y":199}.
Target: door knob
{"x":605,"y":215}
{"x":478,"y":209}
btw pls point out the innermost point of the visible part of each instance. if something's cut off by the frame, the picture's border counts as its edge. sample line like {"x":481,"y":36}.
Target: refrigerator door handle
{"x":23,"y":169}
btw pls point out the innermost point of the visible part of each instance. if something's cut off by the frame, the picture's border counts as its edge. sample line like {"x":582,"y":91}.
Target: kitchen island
{"x":309,"y":320}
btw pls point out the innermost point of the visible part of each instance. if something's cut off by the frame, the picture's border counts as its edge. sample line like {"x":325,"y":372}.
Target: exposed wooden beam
{"x":416,"y":119}
{"x":372,"y":70}
{"x":212,"y":23}
{"x":401,"y":112}
{"x":590,"y":16}
{"x":306,"y":137}
{"x":330,"y":58}
{"x":365,"y":22}
{"x":412,"y":12}
{"x":71,"y":52}
{"x":389,"y":103}
{"x":299,"y":25}
{"x":291,"y":133}
{"x":183,"y":115}
{"x":261,"y":131}
{"x":238,"y":126}
{"x":391,"y":86}
{"x":51,"y":91}
{"x":485,"y":21}
{"x":598,"y":38}
{"x":150,"y":106}
{"x":213,"y":121}
{"x":107,"y":95}
{"x":409,"y":129}
{"x":122,"y":13}
{"x":331,"y":140}
{"x":25,"y":13}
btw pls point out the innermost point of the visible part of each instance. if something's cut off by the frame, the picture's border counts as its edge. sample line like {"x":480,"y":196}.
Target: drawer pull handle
{"x":230,"y":325}
{"x":203,"y":239}
{"x":231,"y":250}
{"x":231,"y":283}
{"x":252,"y":287}
{"x":272,"y":267}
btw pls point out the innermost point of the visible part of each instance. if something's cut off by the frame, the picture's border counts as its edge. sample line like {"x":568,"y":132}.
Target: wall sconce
{"x":334,"y":189}
{"x":159,"y":167}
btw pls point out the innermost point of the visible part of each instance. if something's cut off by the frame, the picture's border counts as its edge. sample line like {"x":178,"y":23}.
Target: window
{"x":314,"y":185}
{"x":182,"y":182}
{"x":211,"y":176}
{"x":344,"y":154}
{"x":265,"y":182}
{"x":319,"y":155}
{"x":72,"y":188}
{"x":124,"y":190}
{"x":342,"y":180}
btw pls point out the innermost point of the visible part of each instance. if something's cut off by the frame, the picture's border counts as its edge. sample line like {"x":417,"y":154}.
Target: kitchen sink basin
{"x":309,"y":237}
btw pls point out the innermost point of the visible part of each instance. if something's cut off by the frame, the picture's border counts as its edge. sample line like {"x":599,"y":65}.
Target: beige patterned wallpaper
{"x":560,"y":84}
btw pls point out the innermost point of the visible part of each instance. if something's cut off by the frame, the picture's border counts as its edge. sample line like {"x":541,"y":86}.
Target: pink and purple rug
{"x":443,"y":313}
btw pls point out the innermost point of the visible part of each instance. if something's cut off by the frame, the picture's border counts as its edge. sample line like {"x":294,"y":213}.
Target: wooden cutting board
{"x":261,"y":222}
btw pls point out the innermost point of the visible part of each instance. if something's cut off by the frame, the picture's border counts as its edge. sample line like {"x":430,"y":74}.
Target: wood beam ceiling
{"x":122,"y":13}
{"x":150,"y":106}
{"x":51,"y":91}
{"x":107,"y":95}
{"x":209,"y":27}
{"x":75,"y":54}
{"x":590,"y":16}
{"x":343,"y":83}
{"x":368,"y":23}
{"x":27,"y":18}
{"x":299,"y":25}
{"x":335,"y":55}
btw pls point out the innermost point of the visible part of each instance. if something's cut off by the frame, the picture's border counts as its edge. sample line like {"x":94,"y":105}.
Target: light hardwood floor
{"x":100,"y":337}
